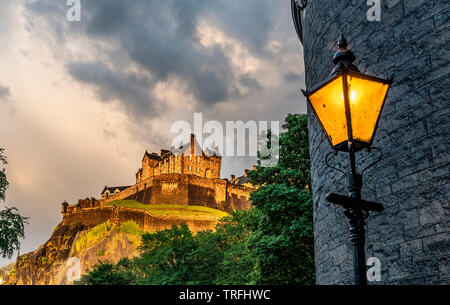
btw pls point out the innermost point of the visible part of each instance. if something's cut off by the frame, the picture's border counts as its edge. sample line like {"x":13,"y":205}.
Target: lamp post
{"x":348,"y":106}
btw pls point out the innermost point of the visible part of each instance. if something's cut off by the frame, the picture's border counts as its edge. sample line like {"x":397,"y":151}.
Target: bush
{"x":93,"y":236}
{"x":130,"y":227}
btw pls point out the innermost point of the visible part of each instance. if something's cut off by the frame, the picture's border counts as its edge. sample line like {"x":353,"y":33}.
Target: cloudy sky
{"x":80,"y":102}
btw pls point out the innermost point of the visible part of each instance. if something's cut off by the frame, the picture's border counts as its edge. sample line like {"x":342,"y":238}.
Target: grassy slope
{"x":168,"y":209}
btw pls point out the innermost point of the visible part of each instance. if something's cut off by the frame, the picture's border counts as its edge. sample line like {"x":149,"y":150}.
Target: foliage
{"x":3,"y":181}
{"x":109,"y":274}
{"x":93,"y":236}
{"x":283,"y":241}
{"x":11,"y":222}
{"x":272,"y":243}
{"x":6,"y":269}
{"x":177,"y":256}
{"x":130,"y":227}
{"x":168,"y":209}
{"x":11,"y":230}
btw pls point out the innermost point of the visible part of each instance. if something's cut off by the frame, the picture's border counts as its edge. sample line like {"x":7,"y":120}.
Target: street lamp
{"x":348,"y":106}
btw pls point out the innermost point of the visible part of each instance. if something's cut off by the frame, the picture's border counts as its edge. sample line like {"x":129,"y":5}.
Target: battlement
{"x":82,"y":204}
{"x":89,"y":217}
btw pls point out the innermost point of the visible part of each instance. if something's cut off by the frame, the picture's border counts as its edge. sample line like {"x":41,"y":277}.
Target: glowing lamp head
{"x":349,"y":104}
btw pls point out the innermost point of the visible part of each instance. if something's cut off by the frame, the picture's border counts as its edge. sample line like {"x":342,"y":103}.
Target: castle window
{"x":198,"y":169}
{"x":198,"y":159}
{"x":190,"y":168}
{"x":190,"y":158}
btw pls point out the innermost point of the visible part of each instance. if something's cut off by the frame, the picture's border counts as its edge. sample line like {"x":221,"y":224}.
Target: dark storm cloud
{"x":131,"y":89}
{"x":4,"y":93}
{"x":160,"y":37}
{"x":249,"y":82}
{"x":249,"y":21}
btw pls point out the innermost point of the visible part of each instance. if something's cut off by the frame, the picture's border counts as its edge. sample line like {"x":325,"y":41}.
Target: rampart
{"x":92,"y":216}
{"x":185,"y":189}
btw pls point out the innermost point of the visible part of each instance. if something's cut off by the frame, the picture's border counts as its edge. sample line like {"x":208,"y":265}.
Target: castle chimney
{"x":246,"y":172}
{"x":192,"y":143}
{"x":64,"y":206}
{"x":254,"y":167}
{"x":232,"y":177}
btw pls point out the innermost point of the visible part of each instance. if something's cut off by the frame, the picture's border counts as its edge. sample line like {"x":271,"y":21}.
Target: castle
{"x":187,"y":175}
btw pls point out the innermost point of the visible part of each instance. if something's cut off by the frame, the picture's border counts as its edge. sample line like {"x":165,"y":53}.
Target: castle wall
{"x":238,"y":198}
{"x":130,"y":191}
{"x":411,"y":237}
{"x":204,"y":196}
{"x":188,"y":190}
{"x":91,"y":217}
{"x":169,"y":189}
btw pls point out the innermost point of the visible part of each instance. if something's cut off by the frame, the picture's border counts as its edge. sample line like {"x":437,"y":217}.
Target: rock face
{"x":66,"y":255}
{"x":50,"y":266}
{"x":411,"y":237}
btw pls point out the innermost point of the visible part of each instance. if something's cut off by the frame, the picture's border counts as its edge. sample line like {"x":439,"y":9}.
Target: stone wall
{"x":189,"y":190}
{"x":411,"y":236}
{"x":90,"y":217}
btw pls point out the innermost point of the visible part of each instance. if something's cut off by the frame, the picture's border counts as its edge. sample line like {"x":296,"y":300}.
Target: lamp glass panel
{"x":366,"y":99}
{"x":328,"y":103}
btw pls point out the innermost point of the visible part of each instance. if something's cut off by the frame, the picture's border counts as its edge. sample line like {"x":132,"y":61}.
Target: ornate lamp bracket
{"x":369,"y":150}
{"x":297,"y":6}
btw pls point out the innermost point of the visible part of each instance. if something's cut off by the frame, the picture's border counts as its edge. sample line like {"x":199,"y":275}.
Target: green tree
{"x":11,"y":222}
{"x":238,"y":262}
{"x":165,"y":256}
{"x":110,"y":274}
{"x":283,"y":242}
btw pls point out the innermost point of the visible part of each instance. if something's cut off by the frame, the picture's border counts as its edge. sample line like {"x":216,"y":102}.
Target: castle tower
{"x":411,"y":237}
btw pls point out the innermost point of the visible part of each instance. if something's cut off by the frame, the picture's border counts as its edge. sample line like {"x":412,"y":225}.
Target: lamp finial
{"x":342,"y":42}
{"x":343,"y":58}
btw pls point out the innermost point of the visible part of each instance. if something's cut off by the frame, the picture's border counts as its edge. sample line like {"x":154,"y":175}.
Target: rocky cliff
{"x":89,"y":236}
